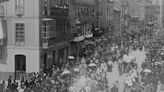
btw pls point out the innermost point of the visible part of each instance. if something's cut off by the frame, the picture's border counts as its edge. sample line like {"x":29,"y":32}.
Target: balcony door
{"x":20,"y":66}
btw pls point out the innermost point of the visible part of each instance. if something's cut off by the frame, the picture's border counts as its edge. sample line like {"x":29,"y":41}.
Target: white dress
{"x":72,"y":89}
{"x":20,"y":89}
{"x":161,"y":88}
{"x":128,"y":81}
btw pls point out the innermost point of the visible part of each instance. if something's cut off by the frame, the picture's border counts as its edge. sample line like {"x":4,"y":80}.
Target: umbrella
{"x":71,"y":57}
{"x":83,"y":60}
{"x":147,"y":70}
{"x":52,"y":81}
{"x":92,"y":64}
{"x":76,"y":70}
{"x":89,"y":43}
{"x":127,"y":58}
{"x":157,"y":62}
{"x":66,"y":72}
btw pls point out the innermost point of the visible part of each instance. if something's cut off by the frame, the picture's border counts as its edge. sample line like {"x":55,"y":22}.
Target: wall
{"x":31,"y":49}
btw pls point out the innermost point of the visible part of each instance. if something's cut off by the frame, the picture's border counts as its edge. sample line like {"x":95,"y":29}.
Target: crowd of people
{"x":88,"y":74}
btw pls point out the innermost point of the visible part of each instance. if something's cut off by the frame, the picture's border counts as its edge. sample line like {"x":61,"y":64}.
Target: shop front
{"x":56,"y":55}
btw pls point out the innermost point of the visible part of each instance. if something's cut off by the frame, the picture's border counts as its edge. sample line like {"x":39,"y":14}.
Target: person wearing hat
{"x":83,"y":67}
{"x":114,"y":88}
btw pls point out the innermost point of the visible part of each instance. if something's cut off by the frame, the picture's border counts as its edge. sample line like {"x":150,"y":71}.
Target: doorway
{"x":20,"y":66}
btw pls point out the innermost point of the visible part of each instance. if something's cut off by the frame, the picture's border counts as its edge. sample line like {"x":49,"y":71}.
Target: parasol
{"x":71,"y":57}
{"x":157,"y":62}
{"x":92,"y":64}
{"x":89,"y":43}
{"x":83,"y":60}
{"x":76,"y":69}
{"x":66,"y":72}
{"x":52,"y":81}
{"x":127,"y":58}
{"x":147,"y":70}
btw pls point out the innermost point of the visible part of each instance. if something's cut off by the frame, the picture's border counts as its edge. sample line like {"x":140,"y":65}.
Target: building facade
{"x":117,"y":21}
{"x":81,"y":17}
{"x":38,"y":34}
{"x":162,"y":14}
{"x":152,"y":13}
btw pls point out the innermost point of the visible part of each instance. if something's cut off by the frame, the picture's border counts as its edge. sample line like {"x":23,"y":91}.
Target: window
{"x":45,"y":34}
{"x":59,"y":2}
{"x":1,"y":11}
{"x":48,"y":31}
{"x":107,"y":8}
{"x":65,"y":2}
{"x":46,"y":10}
{"x":76,"y":15}
{"x":19,"y":34}
{"x":19,"y":7}
{"x":65,"y":26}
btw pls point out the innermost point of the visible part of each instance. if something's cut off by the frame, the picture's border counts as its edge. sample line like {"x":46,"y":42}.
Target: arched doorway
{"x":20,"y":66}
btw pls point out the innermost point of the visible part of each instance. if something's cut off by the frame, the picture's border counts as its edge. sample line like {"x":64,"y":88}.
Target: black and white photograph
{"x":81,"y":45}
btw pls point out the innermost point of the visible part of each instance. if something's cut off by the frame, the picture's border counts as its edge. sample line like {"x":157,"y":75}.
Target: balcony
{"x":56,"y":40}
{"x":58,"y":12}
{"x":60,"y":39}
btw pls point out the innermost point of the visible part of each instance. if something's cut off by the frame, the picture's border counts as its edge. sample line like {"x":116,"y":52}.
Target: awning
{"x":47,"y":19}
{"x":1,"y":31}
{"x":87,"y":42}
{"x":88,"y":35}
{"x":78,"y":39}
{"x":97,"y":28}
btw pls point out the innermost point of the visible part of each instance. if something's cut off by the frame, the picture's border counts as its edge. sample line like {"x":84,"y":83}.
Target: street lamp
{"x":78,"y":28}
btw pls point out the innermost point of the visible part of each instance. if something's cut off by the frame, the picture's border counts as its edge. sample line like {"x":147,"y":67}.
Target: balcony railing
{"x":58,"y":39}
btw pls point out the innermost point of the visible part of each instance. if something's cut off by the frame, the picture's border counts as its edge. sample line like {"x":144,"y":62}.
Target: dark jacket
{"x":114,"y":89}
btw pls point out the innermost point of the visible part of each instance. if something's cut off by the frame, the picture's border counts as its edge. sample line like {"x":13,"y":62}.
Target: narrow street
{"x":82,"y":46}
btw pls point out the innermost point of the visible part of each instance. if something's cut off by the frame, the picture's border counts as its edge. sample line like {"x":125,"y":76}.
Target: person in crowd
{"x":127,"y":89}
{"x":110,"y":64}
{"x":137,"y":86}
{"x":114,"y":88}
{"x":14,"y":86}
{"x":9,"y":80}
{"x":2,"y":86}
{"x":117,"y":84}
{"x":129,"y":81}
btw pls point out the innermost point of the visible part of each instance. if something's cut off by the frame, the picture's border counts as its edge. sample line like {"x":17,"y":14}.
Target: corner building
{"x":36,"y":36}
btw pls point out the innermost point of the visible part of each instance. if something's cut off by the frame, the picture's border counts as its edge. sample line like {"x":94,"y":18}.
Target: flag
{"x":1,"y":31}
